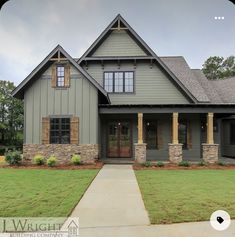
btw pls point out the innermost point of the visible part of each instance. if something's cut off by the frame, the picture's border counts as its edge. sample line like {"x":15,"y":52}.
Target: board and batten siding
{"x":152,"y":86}
{"x":80,"y":99}
{"x":119,"y":43}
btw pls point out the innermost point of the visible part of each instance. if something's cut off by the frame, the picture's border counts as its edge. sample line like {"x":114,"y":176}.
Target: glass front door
{"x":119,"y":139}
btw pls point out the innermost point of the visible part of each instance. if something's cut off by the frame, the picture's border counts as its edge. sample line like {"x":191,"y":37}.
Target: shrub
{"x":51,"y":161}
{"x":39,"y":160}
{"x":221,"y":163}
{"x":184,"y":163}
{"x":160,"y":164}
{"x":13,"y":157}
{"x":76,"y":159}
{"x":2,"y":151}
{"x":202,"y":163}
{"x":147,"y":164}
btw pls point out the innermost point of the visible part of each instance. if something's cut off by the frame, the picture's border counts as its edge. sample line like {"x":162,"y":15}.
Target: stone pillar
{"x":140,"y":128}
{"x":140,"y":153}
{"x":175,"y":149}
{"x":175,"y":153}
{"x":210,"y":152}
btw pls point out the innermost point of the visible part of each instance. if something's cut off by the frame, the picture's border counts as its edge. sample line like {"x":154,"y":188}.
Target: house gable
{"x":118,"y":43}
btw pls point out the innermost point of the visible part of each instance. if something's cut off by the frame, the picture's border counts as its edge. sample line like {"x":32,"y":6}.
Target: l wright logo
{"x":31,"y":227}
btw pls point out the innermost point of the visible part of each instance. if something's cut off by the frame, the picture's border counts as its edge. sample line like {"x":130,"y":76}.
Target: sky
{"x":30,"y":29}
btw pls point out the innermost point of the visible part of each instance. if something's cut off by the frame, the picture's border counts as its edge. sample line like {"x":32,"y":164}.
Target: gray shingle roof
{"x":182,"y":71}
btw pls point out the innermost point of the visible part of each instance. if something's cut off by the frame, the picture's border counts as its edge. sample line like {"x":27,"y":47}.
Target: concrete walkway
{"x":112,"y":200}
{"x":113,"y":206}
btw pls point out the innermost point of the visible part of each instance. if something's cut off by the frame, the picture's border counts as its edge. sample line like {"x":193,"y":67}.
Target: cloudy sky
{"x":30,"y":29}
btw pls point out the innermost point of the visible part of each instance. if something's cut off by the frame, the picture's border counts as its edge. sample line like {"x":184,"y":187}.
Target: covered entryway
{"x":119,"y":142}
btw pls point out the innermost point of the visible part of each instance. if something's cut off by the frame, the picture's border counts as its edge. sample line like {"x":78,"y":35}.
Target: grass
{"x":172,"y":196}
{"x":42,"y":193}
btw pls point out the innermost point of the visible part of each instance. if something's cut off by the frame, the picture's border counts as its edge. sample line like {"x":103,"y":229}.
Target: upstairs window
{"x":60,"y":130}
{"x":119,"y":82}
{"x":60,"y":76}
{"x":232,"y":133}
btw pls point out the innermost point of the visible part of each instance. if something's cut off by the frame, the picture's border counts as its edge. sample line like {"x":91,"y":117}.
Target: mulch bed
{"x":191,"y":167}
{"x":97,"y":165}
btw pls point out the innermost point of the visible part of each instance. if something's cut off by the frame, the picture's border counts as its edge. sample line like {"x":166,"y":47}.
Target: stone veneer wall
{"x":175,"y":153}
{"x":210,"y":152}
{"x":140,"y":153}
{"x":63,"y":152}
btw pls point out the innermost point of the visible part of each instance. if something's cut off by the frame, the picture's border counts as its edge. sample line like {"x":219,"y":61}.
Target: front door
{"x":119,"y":139}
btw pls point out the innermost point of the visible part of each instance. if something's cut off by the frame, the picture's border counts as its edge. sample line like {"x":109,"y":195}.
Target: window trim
{"x":57,"y":66}
{"x":123,"y":71}
{"x":60,"y":130}
{"x":231,"y":142}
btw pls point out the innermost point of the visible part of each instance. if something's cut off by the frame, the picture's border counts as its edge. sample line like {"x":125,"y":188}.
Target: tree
{"x":11,"y":115}
{"x":218,"y":67}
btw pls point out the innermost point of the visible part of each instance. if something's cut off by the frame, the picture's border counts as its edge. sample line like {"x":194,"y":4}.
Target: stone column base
{"x":140,"y":153}
{"x":175,"y":153}
{"x":210,"y":152}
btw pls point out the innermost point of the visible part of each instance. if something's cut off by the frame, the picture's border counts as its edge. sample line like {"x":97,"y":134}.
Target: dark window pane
{"x":60,"y":130}
{"x":232,"y":133}
{"x":151,"y":135}
{"x":183,"y":134}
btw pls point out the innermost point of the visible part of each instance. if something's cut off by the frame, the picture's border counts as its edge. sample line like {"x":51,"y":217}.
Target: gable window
{"x":60,"y":76}
{"x":232,"y":133}
{"x":60,"y":130}
{"x":183,"y":128}
{"x":119,"y":82}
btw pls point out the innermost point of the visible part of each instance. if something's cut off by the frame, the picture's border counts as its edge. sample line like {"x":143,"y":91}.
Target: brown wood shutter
{"x":53,"y":76}
{"x":189,"y":135}
{"x":67,"y":75}
{"x":45,"y":130}
{"x":160,"y":141}
{"x":74,"y":130}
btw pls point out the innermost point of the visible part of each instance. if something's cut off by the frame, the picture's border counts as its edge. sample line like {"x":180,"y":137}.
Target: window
{"x":60,"y":82}
{"x":183,"y":133}
{"x":151,"y":135}
{"x":119,"y":82}
{"x":60,"y":130}
{"x":232,"y":133}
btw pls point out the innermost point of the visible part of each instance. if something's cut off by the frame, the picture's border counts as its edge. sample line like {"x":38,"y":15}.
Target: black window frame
{"x":59,"y":77}
{"x":124,"y":78}
{"x":232,"y":135}
{"x":185,"y":123}
{"x":60,"y":130}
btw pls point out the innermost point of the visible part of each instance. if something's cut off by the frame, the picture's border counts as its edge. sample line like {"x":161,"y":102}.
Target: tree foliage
{"x":11,"y":116}
{"x":219,"y":67}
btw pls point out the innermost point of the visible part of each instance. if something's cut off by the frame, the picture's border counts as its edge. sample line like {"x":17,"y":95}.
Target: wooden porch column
{"x":140,"y":128}
{"x":210,"y":126}
{"x":175,"y":139}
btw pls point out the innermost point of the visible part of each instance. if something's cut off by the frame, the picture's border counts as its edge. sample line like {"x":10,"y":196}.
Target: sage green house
{"x":121,"y":101}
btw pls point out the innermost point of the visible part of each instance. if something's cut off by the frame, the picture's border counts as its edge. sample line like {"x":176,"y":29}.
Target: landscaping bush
{"x":51,"y":161}
{"x":159,"y":164}
{"x":147,"y":164}
{"x":39,"y":160}
{"x":202,"y":163}
{"x":2,"y":151}
{"x":184,"y":163}
{"x":13,"y":157}
{"x":221,"y":163}
{"x":76,"y":159}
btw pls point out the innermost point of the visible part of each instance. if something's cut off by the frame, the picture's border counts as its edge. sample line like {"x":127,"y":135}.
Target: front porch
{"x":161,"y":136}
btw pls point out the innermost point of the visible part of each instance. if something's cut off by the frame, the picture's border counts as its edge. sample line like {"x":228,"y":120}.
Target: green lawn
{"x":186,"y":195}
{"x":42,"y":193}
